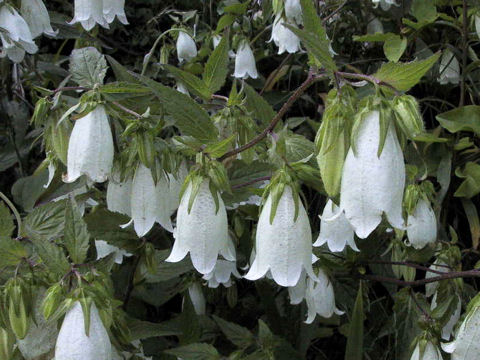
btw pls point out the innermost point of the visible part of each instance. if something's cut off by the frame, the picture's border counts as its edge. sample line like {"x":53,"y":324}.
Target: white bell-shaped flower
{"x":119,"y":195}
{"x":447,"y":329}
{"x":74,"y":344}
{"x":335,"y":230}
{"x":466,"y":345}
{"x":90,"y":149}
{"x":221,"y":274}
{"x":375,"y":26}
{"x":385,"y":4}
{"x":16,"y":37}
{"x":198,"y":299}
{"x":283,"y":247}
{"x":245,"y":62}
{"x":186,"y":48}
{"x":298,"y":292}
{"x":438,"y":265}
{"x":36,"y":15}
{"x":175,"y":183}
{"x":477,"y":25}
{"x":104,"y":249}
{"x":216,"y":40}
{"x":449,"y":69}
{"x":148,"y":202}
{"x":180,"y":86}
{"x":42,"y":334}
{"x":320,"y":298}
{"x":284,"y":38}
{"x":422,"y":225}
{"x":431,"y":352}
{"x":202,"y":232}
{"x":114,"y":8}
{"x":293,"y":11}
{"x":373,"y":185}
{"x":88,"y":13}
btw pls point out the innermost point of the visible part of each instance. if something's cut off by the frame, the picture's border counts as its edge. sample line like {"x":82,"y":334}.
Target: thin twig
{"x":335,"y":12}
{"x":368,"y":78}
{"x":127,"y":110}
{"x":405,"y":263}
{"x":251,"y":182}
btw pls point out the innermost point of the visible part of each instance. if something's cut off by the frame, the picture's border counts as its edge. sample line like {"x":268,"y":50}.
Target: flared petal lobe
{"x":245,"y":62}
{"x":186,"y":48}
{"x":422,"y":225}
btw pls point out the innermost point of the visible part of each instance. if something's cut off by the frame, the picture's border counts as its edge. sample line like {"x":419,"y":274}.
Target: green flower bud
{"x":407,"y":115}
{"x":7,"y":341}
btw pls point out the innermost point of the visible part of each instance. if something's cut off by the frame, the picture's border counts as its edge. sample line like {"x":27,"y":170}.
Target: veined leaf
{"x":6,"y":222}
{"x":465,"y":118}
{"x":193,"y":83}
{"x":403,"y":76}
{"x":120,"y":71}
{"x":11,"y":251}
{"x":45,"y":221}
{"x":238,"y":335}
{"x":197,"y":351}
{"x":471,"y":185}
{"x":189,"y":117}
{"x":76,"y":237}
{"x":88,"y":67}
{"x":216,"y":68}
{"x":258,"y":106}
{"x":225,"y":20}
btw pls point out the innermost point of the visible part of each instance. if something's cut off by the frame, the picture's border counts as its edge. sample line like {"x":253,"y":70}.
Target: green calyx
{"x":407,"y":116}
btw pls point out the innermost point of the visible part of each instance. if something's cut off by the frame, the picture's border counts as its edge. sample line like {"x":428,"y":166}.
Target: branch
{"x":312,"y":78}
{"x":263,"y":178}
{"x":127,"y":110}
{"x":405,"y":263}
{"x":368,"y":78}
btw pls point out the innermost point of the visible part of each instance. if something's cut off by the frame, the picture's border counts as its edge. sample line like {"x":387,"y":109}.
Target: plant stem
{"x":127,"y":110}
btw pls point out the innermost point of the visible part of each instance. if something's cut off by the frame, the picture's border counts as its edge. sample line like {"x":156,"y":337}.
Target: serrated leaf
{"x":424,"y":10}
{"x":403,"y":76}
{"x":121,"y":72}
{"x":117,"y":91}
{"x":258,"y":106}
{"x":238,"y":335}
{"x":52,"y":256}
{"x":218,"y":149}
{"x":7,"y":225}
{"x":197,"y":351}
{"x":144,"y":329}
{"x":225,"y":20}
{"x":216,"y":68}
{"x":354,"y":349}
{"x":394,"y":48}
{"x":465,"y":118}
{"x":194,"y":84}
{"x":88,"y":67}
{"x":189,"y":117}
{"x":45,"y":221}
{"x":11,"y":251}
{"x":76,"y":237}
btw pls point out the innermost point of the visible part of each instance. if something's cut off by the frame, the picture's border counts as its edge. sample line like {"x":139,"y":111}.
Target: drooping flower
{"x":298,"y":292}
{"x":284,"y":38}
{"x":447,"y":329}
{"x":41,"y":335}
{"x":186,"y":48}
{"x":430,"y":352}
{"x":320,"y":297}
{"x":293,"y":11}
{"x":119,"y":195}
{"x":17,"y":38}
{"x":222,"y":273}
{"x":283,"y":247}
{"x":385,"y":4}
{"x":197,"y":298}
{"x":148,"y":202}
{"x":202,"y":231}
{"x":466,"y":345}
{"x":88,"y":13}
{"x":90,"y":149}
{"x":372,"y":184}
{"x":438,"y":265}
{"x":245,"y":62}
{"x":175,"y":183}
{"x":216,"y":40}
{"x":74,"y":344}
{"x":374,"y":26}
{"x":335,"y":230}
{"x":36,"y":15}
{"x":449,"y":69}
{"x":104,"y":249}
{"x":112,"y":8}
{"x":422,"y":225}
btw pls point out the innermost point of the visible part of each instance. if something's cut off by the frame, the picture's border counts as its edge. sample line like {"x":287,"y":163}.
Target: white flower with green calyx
{"x":466,"y":345}
{"x":90,"y":149}
{"x":284,"y":238}
{"x":36,"y":15}
{"x":320,"y":297}
{"x":335,"y":230}
{"x":245,"y":66}
{"x":114,"y":8}
{"x":202,"y":225}
{"x":89,"y":13}
{"x":332,"y":140}
{"x":73,"y":343}
{"x":449,"y":69}
{"x":149,"y":201}
{"x":223,"y":270}
{"x":119,"y":194}
{"x":293,"y":11}
{"x":408,"y":117}
{"x":426,"y":350}
{"x":373,"y":179}
{"x":283,"y":37}
{"x":447,"y":330}
{"x":16,"y":37}
{"x":186,"y":48}
{"x":421,"y":220}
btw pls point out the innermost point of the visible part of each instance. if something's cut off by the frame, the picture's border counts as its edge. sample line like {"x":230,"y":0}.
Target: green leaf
{"x":258,"y":106}
{"x":354,"y":349}
{"x":465,"y":118}
{"x":76,"y":236}
{"x":394,"y":47}
{"x":298,"y":148}
{"x":121,"y":72}
{"x":403,"y":76}
{"x":117,"y":91}
{"x":52,"y":256}
{"x":45,"y":222}
{"x":225,"y":20}
{"x":189,"y":117}
{"x":193,"y":83}
{"x":237,"y":9}
{"x":197,"y":351}
{"x":424,"y":10}
{"x":11,"y":252}
{"x":471,"y":185}
{"x":216,"y":68}
{"x":238,"y":335}
{"x":473,"y":221}
{"x":145,"y":329}
{"x":218,"y":149}
{"x":7,"y":225}
{"x":88,"y":67}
